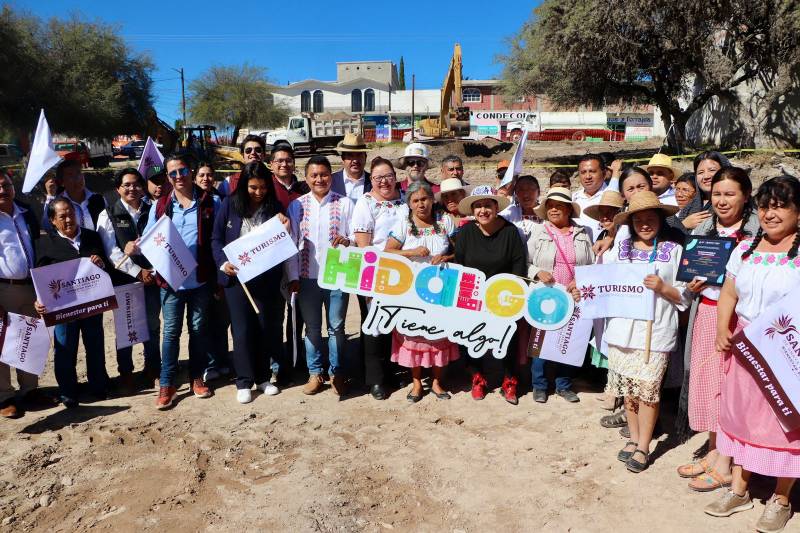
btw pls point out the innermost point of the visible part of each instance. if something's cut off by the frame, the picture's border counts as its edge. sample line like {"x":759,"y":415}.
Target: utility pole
{"x":183,"y":95}
{"x":413,"y":81}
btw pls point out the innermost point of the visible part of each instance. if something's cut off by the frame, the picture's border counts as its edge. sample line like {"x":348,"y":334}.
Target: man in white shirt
{"x":592,"y":174}
{"x":663,"y":176}
{"x":88,"y":205}
{"x":19,"y":229}
{"x":352,"y":181}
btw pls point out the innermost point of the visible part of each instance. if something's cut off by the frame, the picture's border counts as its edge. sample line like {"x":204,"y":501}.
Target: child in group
{"x":630,"y":373}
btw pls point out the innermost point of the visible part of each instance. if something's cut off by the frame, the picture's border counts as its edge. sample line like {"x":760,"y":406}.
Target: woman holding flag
{"x":256,"y":335}
{"x":760,"y":273}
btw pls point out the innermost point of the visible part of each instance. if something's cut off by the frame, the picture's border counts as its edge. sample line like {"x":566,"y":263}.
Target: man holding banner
{"x":69,"y":241}
{"x":191,"y":220}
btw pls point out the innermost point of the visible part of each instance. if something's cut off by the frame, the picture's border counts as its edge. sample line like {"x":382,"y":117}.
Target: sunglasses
{"x":182,"y":171}
{"x":256,"y":149}
{"x":416,"y":162}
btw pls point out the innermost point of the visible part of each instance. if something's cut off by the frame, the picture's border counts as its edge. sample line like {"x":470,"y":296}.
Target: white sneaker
{"x":244,"y":396}
{"x":268,"y":388}
{"x":210,"y":375}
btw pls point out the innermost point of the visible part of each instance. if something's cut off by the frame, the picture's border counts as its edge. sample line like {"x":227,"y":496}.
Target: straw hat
{"x":449,"y":185}
{"x":642,"y":201}
{"x":479,"y":193}
{"x":661,"y":161}
{"x":352,"y":142}
{"x":609,"y":199}
{"x":417,"y":151}
{"x":557,"y":194}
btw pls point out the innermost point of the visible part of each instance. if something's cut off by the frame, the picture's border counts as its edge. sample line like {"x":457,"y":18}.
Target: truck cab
{"x":296,"y":133}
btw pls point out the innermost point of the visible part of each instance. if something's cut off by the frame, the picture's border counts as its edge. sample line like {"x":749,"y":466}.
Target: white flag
{"x":130,"y":317}
{"x":616,"y":290}
{"x":261,"y":249}
{"x":24,"y":342}
{"x":515,"y":168}
{"x":43,"y":157}
{"x":163,"y":246}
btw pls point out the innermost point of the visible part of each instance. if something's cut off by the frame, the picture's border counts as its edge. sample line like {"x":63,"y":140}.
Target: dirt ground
{"x":298,"y":463}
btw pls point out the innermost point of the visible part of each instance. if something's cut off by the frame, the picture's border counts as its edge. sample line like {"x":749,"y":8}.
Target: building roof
{"x":362,"y":62}
{"x":332,"y":85}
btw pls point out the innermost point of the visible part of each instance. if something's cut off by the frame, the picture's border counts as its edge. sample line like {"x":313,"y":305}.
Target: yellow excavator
{"x":453,"y":118}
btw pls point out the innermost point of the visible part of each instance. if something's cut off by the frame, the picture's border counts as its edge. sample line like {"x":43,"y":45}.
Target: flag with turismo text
{"x":130,"y":317}
{"x":163,"y":246}
{"x":151,"y":157}
{"x":515,"y":168}
{"x":24,"y":342}
{"x":261,"y":249}
{"x":616,"y":290}
{"x":43,"y":157}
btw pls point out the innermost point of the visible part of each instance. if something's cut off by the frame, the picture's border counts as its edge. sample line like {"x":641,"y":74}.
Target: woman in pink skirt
{"x":422,"y":238}
{"x":732,"y":216}
{"x":760,"y":273}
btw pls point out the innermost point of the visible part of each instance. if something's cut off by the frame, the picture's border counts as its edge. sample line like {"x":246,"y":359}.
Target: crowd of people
{"x":618,"y":215}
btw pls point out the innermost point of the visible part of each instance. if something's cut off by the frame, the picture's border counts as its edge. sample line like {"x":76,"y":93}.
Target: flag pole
{"x":250,"y":297}
{"x":119,"y":264}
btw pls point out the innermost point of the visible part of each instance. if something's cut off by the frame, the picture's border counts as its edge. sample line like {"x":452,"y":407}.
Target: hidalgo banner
{"x":443,"y":301}
{"x":24,"y":342}
{"x":130,"y":318}
{"x":770,"y":350}
{"x":163,"y":246}
{"x":261,"y":249}
{"x":72,"y":290}
{"x":616,"y":290}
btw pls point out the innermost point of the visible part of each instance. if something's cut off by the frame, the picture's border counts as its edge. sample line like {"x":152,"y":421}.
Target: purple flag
{"x":151,"y":159}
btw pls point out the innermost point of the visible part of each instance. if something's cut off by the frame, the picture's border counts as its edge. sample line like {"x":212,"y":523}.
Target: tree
{"x":401,"y":83}
{"x":84,"y":76}
{"x":235,"y":96}
{"x":677,"y":55}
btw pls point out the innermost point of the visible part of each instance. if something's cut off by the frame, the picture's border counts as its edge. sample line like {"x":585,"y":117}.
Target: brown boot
{"x":314,"y":385}
{"x":8,"y":409}
{"x":338,"y":385}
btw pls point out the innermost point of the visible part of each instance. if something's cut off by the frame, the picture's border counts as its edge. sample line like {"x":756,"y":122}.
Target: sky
{"x":301,"y":40}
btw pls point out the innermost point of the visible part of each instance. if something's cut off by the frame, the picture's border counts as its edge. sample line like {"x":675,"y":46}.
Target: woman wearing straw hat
{"x":555,"y":248}
{"x":493,"y":246}
{"x":452,"y":191}
{"x":631,"y":373}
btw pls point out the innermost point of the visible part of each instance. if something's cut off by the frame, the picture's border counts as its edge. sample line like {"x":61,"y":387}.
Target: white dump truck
{"x":312,"y":132}
{"x":563,"y":126}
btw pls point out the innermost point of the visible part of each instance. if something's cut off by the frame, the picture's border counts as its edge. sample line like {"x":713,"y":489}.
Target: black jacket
{"x":53,"y":248}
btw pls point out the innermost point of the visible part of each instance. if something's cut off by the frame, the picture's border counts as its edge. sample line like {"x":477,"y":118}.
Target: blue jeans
{"x":65,"y":359}
{"x":311,"y":298}
{"x":152,"y":348}
{"x":564,"y":374}
{"x":173,"y":304}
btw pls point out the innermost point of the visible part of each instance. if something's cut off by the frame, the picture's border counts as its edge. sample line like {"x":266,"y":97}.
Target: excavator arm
{"x":451,"y":121}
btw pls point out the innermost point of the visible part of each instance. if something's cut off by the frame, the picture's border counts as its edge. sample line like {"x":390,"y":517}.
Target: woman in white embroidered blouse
{"x":630,"y":374}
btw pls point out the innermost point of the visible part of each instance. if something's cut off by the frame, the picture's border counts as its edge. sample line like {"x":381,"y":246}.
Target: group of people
{"x":631,"y":215}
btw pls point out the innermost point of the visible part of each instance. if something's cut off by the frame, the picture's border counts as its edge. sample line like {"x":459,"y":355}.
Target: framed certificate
{"x":705,"y":257}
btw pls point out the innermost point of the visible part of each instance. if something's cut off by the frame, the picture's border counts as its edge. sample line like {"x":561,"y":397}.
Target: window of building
{"x":369,"y":100}
{"x":305,"y":102}
{"x":318,"y":107}
{"x":355,"y":101}
{"x":471,"y":94}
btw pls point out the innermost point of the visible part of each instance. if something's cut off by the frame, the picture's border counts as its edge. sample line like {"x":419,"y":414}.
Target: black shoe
{"x":615,"y":420}
{"x":412,"y":398}
{"x":378,"y":392}
{"x":569,"y":395}
{"x":68,"y":402}
{"x":442,"y":396}
{"x":625,"y":432}
{"x":539,"y":396}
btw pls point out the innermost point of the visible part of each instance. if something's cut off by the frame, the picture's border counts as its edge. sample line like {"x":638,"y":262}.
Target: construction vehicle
{"x":453,"y":118}
{"x":564,"y":126}
{"x":312,"y":132}
{"x":202,"y":142}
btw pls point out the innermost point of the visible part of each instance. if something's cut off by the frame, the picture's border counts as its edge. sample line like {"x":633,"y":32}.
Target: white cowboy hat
{"x":557,"y":194}
{"x":352,"y":142}
{"x":416,"y":151}
{"x":449,"y":185}
{"x":479,"y":193}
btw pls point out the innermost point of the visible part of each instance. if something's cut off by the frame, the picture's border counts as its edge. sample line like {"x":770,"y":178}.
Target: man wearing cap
{"x":19,"y":231}
{"x":352,"y":181}
{"x":663,"y":175}
{"x":88,"y":205}
{"x":508,"y":189}
{"x":416,"y":161}
{"x":157,"y":184}
{"x":592,"y":174}
{"x":253,"y":149}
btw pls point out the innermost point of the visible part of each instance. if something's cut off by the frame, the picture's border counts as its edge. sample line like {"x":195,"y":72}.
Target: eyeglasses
{"x":134,"y":185}
{"x":283,"y":161}
{"x":416,"y":163}
{"x":184,"y":171}
{"x":256,"y":149}
{"x":387,"y":177}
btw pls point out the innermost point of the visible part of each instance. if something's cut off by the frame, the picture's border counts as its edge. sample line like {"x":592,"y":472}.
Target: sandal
{"x":617,"y":420}
{"x":636,"y":466}
{"x":624,"y":455}
{"x":709,"y":481}
{"x":691,"y":470}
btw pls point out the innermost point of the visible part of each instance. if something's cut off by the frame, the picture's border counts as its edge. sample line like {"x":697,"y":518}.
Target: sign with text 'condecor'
{"x":770,"y":350}
{"x":443,"y":301}
{"x":72,"y":290}
{"x":616,"y":290}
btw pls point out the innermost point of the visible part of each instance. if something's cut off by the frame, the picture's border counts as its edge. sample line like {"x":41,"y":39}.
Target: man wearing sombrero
{"x":663,"y":176}
{"x":352,"y":181}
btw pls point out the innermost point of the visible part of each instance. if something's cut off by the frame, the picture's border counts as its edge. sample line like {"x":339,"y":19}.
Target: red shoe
{"x":509,"y":390}
{"x":166,"y":395}
{"x":200,"y":389}
{"x":478,"y":387}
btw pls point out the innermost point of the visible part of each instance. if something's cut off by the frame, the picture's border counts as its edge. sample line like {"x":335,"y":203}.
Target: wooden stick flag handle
{"x":250,"y":297}
{"x":648,"y":337}
{"x":124,"y":258}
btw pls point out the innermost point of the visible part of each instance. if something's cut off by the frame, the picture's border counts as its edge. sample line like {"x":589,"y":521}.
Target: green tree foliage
{"x":402,"y":76}
{"x":84,"y":76}
{"x":235,"y":96}
{"x":676,"y":54}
